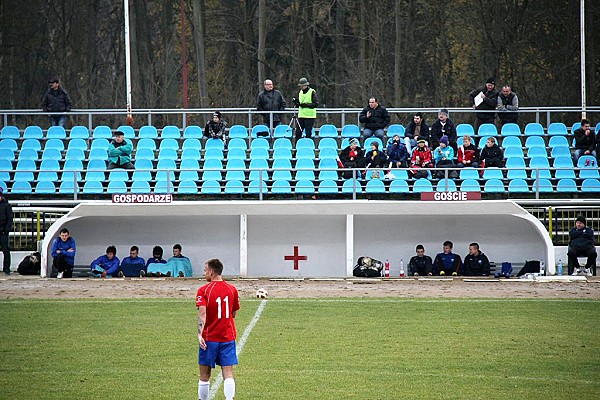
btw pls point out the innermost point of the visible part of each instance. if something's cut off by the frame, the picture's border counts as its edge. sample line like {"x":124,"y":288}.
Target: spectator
{"x":56,"y":99}
{"x":30,"y":265}
{"x":508,"y":105}
{"x":156,"y":265}
{"x":6,"y":224}
{"x":585,"y":141}
{"x":375,"y":117}
{"x":63,"y":254}
{"x":215,"y":128}
{"x":446,"y":262}
{"x":485,"y":98}
{"x":106,"y":265}
{"x":421,"y":264}
{"x":444,"y":158}
{"x":421,"y":160}
{"x":417,"y":129}
{"x":581,"y":244}
{"x":270,"y":99}
{"x":491,"y":155}
{"x":119,"y":152}
{"x":476,"y":263}
{"x":179,"y":264}
{"x":375,"y":159}
{"x":467,"y":154}
{"x":397,"y":154}
{"x":443,"y":126}
{"x":351,"y":157}
{"x":133,"y":265}
{"x":307,"y":103}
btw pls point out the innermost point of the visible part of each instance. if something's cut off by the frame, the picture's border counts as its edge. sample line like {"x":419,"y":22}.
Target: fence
{"x":30,"y":226}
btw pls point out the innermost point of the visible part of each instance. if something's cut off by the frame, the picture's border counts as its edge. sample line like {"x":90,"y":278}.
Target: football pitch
{"x":386,"y":348}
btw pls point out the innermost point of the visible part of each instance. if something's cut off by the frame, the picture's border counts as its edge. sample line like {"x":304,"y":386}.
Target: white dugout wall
{"x":306,"y":239}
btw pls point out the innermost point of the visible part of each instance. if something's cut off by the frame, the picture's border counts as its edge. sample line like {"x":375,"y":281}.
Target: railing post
{"x":38,"y":226}
{"x":354,"y":184}
{"x":537,"y":183}
{"x":260,"y":184}
{"x":550,"y":223}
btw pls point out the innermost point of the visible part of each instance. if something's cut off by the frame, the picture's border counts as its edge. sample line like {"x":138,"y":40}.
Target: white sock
{"x":203,"y":388}
{"x":229,"y":388}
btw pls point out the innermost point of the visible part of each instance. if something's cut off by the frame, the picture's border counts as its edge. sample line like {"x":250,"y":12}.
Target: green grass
{"x":316,"y":349}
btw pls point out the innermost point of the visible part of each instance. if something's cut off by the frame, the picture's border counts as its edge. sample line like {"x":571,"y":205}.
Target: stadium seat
{"x":487,"y":130}
{"x":11,"y":144}
{"x":557,"y":128}
{"x":493,"y":173}
{"x":493,"y":186}
{"x":51,"y":154}
{"x":56,"y":132}
{"x":189,"y":170}
{"x":118,"y":174}
{"x":79,"y":132}
{"x":395,"y":129}
{"x":482,"y":141}
{"x":140,"y":186}
{"x":441,"y":185}
{"x":422,"y":185}
{"x":214,"y":144}
{"x":282,"y":131}
{"x":399,"y":186}
{"x":281,"y":186}
{"x":212,"y":170}
{"x":193,"y":132}
{"x":116,"y":187}
{"x":33,"y":132}
{"x":55,"y":144}
{"x":304,"y":186}
{"x":142,"y":170}
{"x":534,"y":129}
{"x":238,"y":132}
{"x":375,"y":186}
{"x":328,"y":186}
{"x":510,"y":129}
{"x":350,"y":185}
{"x":516,"y":168}
{"x":102,"y":132}
{"x":535,"y":141}
{"x":259,"y":131}
{"x":305,"y":153}
{"x":79,"y":144}
{"x":187,"y":187}
{"x":101,"y":154}
{"x":95,"y":170}
{"x":305,"y":143}
{"x":26,"y":154}
{"x":20,"y":187}
{"x":465,"y":129}
{"x":513,"y":152}
{"x":189,"y":153}
{"x":69,"y":187}
{"x":566,"y":185}
{"x":558,"y":141}
{"x":24,"y":170}
{"x":368,"y":141}
{"x":165,"y":166}
{"x":143,"y":153}
{"x":234,"y":187}
{"x":128,"y":131}
{"x":72,"y":170}
{"x":282,"y":170}
{"x":305,"y":169}
{"x":259,"y":152}
{"x":191,"y":144}
{"x":167,"y":154}
{"x":235,"y":170}
{"x":146,"y":143}
{"x":328,"y":169}
{"x":545,"y":186}
{"x":9,"y":155}
{"x":259,"y":169}
{"x":163,"y":186}
{"x":282,"y":142}
{"x":560,"y":151}
{"x":236,"y":153}
{"x":518,"y":186}
{"x":540,"y":167}
{"x":282,"y":152}
{"x":537,"y":151}
{"x":350,"y":131}
{"x":328,"y":131}
{"x":99,"y":144}
{"x":470,"y":185}
{"x":169,"y":143}
{"x":257,"y":186}
{"x":511,"y":141}
{"x":148,"y":132}
{"x":469,"y":173}
{"x":93,"y":187}
{"x":170,"y":132}
{"x":590,"y":185}
{"x":214,"y":154}
{"x":48,"y":170}
{"x":327,"y":143}
{"x":328,"y":152}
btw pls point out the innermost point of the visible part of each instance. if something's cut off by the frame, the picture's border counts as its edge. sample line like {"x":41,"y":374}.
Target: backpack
{"x":506,"y":271}
{"x":530,"y":267}
{"x":367,"y":267}
{"x":30,"y":265}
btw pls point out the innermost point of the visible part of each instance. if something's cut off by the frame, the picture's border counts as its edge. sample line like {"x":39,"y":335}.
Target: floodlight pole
{"x":127,"y":58}
{"x":582,"y":49}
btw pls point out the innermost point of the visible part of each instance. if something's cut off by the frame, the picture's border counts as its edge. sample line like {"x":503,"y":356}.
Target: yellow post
{"x":550,"y":222}
{"x":39,"y":227}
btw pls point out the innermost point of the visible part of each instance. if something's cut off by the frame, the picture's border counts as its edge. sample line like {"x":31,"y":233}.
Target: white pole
{"x":127,"y":60}
{"x":582,"y":37}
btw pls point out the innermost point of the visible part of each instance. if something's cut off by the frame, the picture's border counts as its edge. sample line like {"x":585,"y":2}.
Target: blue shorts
{"x":218,"y":353}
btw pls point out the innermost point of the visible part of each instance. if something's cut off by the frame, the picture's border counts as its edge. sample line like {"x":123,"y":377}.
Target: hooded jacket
{"x":478,"y":265}
{"x":64,"y":246}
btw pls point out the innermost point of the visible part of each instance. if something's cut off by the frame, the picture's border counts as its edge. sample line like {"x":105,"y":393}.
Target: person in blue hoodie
{"x":446,"y":262}
{"x":63,"y":254}
{"x":106,"y":265}
{"x":444,"y":158}
{"x":181,"y":266}
{"x":156,"y":266}
{"x":133,"y":265}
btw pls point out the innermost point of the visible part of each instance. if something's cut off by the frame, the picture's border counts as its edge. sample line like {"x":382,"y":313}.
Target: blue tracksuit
{"x":448,"y":263}
{"x":110,"y":266}
{"x":58,"y":244}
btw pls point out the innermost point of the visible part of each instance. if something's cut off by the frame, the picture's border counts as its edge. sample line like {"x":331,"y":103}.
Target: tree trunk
{"x":198,"y":31}
{"x":262,"y":39}
{"x":397,"y":54}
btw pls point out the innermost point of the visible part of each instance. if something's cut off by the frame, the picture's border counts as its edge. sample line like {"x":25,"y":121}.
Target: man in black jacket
{"x":476,"y":263}
{"x":6,"y":224}
{"x":421,"y":264}
{"x":581,"y":244}
{"x":585,"y":141}
{"x":375,"y":117}
{"x":56,"y":99}
{"x":484,"y":99}
{"x":443,"y":126}
{"x":270,"y":99}
{"x":508,"y":105}
{"x":416,"y":130}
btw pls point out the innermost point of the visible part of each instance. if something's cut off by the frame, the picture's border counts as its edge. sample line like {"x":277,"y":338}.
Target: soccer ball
{"x":261,"y":294}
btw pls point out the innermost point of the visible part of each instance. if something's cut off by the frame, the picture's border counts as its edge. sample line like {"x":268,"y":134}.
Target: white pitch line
{"x":219,"y":380}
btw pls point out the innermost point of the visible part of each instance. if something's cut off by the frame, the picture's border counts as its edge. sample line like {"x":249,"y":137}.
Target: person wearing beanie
{"x":508,"y":105}
{"x":375,"y":158}
{"x":307,"y":103}
{"x":484,"y":99}
{"x":421,"y":160}
{"x":581,"y":244}
{"x":215,"y":128}
{"x":351,"y":157}
{"x":443,"y":126}
{"x":375,"y":117}
{"x":444,"y":158}
{"x":6,"y":224}
{"x":56,"y":99}
{"x":119,"y":152}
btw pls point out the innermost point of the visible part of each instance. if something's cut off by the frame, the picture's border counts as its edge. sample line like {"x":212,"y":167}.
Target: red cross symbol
{"x":295,"y":258}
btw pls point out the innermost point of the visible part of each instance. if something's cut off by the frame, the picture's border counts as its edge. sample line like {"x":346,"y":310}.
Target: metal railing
{"x":30,"y":225}
{"x":559,"y":219}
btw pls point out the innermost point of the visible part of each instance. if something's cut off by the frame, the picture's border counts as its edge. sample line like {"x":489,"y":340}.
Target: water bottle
{"x":402,"y":268}
{"x":386,"y":270}
{"x":542,"y":268}
{"x":559,"y":269}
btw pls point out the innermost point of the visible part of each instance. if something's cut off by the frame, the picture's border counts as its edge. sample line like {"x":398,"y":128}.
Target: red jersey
{"x":221,"y":300}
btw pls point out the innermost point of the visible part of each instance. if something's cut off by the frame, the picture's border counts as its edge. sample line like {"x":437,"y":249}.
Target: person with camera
{"x":375,"y":117}
{"x":585,"y":141}
{"x":307,"y":103}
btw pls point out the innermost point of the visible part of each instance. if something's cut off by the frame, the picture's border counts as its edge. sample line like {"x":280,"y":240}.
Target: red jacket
{"x":467,"y":153}
{"x":421,"y":158}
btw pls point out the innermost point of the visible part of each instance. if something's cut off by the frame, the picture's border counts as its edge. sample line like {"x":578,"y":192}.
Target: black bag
{"x":530,"y":267}
{"x":30,"y":265}
{"x":367,"y":267}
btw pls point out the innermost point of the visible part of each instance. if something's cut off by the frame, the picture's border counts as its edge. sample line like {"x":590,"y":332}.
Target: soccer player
{"x":217,"y":303}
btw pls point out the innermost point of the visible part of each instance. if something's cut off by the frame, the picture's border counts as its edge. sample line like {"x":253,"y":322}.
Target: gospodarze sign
{"x":450,"y":196}
{"x":142,"y":198}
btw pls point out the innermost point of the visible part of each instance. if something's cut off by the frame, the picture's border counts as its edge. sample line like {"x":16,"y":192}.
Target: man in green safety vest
{"x":307,"y":103}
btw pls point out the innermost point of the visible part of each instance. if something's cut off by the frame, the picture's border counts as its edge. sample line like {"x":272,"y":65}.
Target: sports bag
{"x":367,"y":267}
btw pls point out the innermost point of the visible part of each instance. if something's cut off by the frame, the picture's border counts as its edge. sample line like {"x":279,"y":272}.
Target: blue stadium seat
{"x":79,"y":132}
{"x":259,"y":169}
{"x":190,"y":153}
{"x":350,"y":131}
{"x":51,"y":154}
{"x":422,"y":185}
{"x":305,"y":169}
{"x":210,"y":187}
{"x":558,"y":141}
{"x":212,"y":170}
{"x":465,"y":129}
{"x":511,"y":141}
{"x":95,"y":170}
{"x":99,"y":154}
{"x":238,"y":132}
{"x":102,"y":132}
{"x":187,"y":187}
{"x":282,"y":152}
{"x":328,"y":143}
{"x":588,"y":167}
{"x":513,"y":152}
{"x":493,"y":186}
{"x":534,"y":129}
{"x":191,"y":144}
{"x":33,"y":144}
{"x":304,"y":186}
{"x":54,"y":144}
{"x":282,"y":131}
{"x":148,"y":132}
{"x":165,"y":166}
{"x":566,"y":185}
{"x":77,"y":143}
{"x":69,"y":187}
{"x":236,"y":153}
{"x":307,"y":143}
{"x":482,"y":142}
{"x":328,"y":169}
{"x":282,"y":170}
{"x":350,"y":185}
{"x":259,"y":143}
{"x":469,"y":173}
{"x":535,"y":141}
{"x":560,"y":151}
{"x":234,"y":187}
{"x":48,"y":170}
{"x":305,"y":153}
{"x":169,"y":143}
{"x":590,"y":185}
{"x":142,"y":170}
{"x":441,"y":185}
{"x":537,"y":151}
{"x":164,"y":186}
{"x":56,"y":132}
{"x":146,"y":143}
{"x":193,"y":132}
{"x":214,"y":144}
{"x":72,"y":170}
{"x":4,"y":186}
{"x":189,"y":170}
{"x":399,"y":186}
{"x":235,"y":170}
{"x":24,"y":170}
{"x":487,"y":130}
{"x":257,"y":186}
{"x":118,"y":174}
{"x":143,"y":153}
{"x":368,"y":141}
{"x":510,"y":129}
{"x":493,"y":173}
{"x":395,"y":129}
{"x":20,"y":187}
{"x":328,"y":131}
{"x":140,"y":186}
{"x":281,"y":186}
{"x":557,"y":128}
{"x":93,"y":187}
{"x":518,"y":186}
{"x":516,"y":167}
{"x":328,"y":186}
{"x":99,"y":144}
{"x":128,"y":131}
{"x":33,"y":132}
{"x":375,"y":186}
{"x":9,"y":155}
{"x":260,"y":131}
{"x":282,"y":142}
{"x":400,"y":174}
{"x":470,"y":185}
{"x":259,"y":152}
{"x":11,"y":144}
{"x":75,"y":154}
{"x":545,"y":186}
{"x":167,"y":154}
{"x":170,"y":132}
{"x":26,"y":154}
{"x":117,"y":187}
{"x":540,"y":166}
{"x":214,"y":153}
{"x":237,"y":143}
{"x":328,"y":152}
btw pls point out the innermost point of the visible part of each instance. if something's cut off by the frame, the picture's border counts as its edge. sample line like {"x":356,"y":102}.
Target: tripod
{"x":295,"y":124}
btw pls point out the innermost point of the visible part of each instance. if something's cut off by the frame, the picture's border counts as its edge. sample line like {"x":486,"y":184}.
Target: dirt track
{"x":17,"y":286}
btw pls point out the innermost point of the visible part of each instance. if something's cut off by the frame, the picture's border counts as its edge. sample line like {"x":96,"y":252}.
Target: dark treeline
{"x":409,"y":53}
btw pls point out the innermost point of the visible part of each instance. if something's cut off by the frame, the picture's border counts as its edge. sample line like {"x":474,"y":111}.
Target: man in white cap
{"x":307,"y":103}
{"x":6,"y":224}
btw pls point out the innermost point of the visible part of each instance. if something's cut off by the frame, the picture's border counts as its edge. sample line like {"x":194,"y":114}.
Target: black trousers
{"x":4,"y":245}
{"x":306,"y":125}
{"x":591,"y":255}
{"x":61,"y":265}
